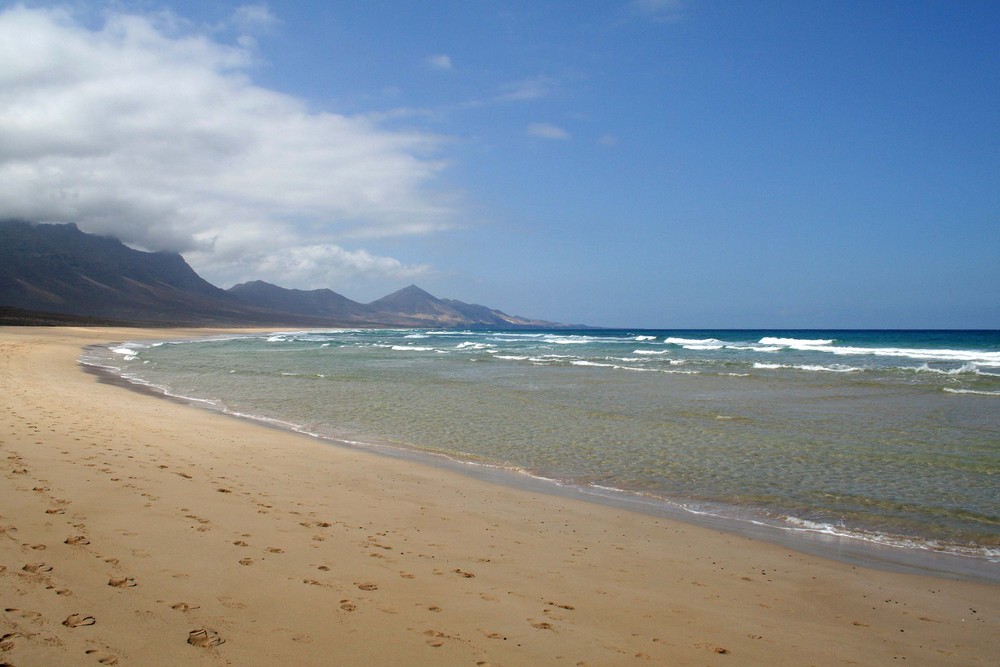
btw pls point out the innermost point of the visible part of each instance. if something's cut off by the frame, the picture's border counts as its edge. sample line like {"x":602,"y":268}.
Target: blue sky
{"x":658,"y":163}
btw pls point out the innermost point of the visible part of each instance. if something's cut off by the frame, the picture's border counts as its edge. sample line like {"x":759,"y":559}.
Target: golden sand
{"x":139,"y":531}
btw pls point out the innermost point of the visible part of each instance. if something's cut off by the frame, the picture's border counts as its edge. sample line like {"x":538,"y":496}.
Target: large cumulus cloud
{"x":159,"y":137}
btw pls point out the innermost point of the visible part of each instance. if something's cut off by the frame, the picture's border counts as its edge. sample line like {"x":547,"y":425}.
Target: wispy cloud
{"x":254,"y":19}
{"x":658,"y":10}
{"x":440,"y":61}
{"x":527,"y":89}
{"x":162,"y":140}
{"x":547,"y":131}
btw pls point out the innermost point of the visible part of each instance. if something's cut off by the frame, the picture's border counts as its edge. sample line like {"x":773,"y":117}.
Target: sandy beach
{"x":136,"y":530}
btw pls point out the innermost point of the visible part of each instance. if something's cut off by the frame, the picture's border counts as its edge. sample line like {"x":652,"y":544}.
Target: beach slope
{"x":138,"y":530}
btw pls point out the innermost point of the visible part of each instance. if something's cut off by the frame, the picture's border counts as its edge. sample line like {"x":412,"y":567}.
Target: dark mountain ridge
{"x":58,"y":271}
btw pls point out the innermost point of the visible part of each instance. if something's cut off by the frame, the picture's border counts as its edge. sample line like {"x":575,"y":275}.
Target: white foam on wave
{"x":980,"y":357}
{"x":969,"y":367}
{"x":685,"y":342}
{"x":644,"y":338}
{"x":756,"y":348}
{"x":618,"y":367}
{"x":472,"y":345}
{"x":971,"y":391}
{"x":835,"y":368}
{"x":899,"y":541}
{"x":128,"y":353}
{"x":569,"y":340}
{"x":411,"y":348}
{"x":795,"y":342}
{"x":651,"y":352}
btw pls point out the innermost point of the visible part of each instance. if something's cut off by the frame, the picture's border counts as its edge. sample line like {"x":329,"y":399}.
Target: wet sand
{"x":135,"y":530}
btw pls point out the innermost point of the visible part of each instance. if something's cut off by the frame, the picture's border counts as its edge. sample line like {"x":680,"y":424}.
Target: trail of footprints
{"x":377,"y":545}
{"x":42,"y":573}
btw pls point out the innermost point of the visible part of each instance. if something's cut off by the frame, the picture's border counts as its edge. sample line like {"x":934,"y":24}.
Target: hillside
{"x":51,"y":272}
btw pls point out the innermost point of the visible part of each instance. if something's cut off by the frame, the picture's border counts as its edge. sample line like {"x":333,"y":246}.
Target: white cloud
{"x":608,"y":140}
{"x":547,"y":131}
{"x":315,"y":266}
{"x":163,"y":141}
{"x":440,"y":61}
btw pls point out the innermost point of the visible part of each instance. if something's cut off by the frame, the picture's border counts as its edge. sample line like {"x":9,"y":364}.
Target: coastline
{"x":294,"y":551}
{"x":902,"y":553}
{"x":851,"y":549}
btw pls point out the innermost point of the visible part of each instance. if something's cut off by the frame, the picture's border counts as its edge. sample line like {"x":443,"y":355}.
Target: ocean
{"x":888,"y":438}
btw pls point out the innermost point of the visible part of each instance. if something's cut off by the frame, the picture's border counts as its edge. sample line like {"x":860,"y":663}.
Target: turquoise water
{"x":891,"y":437}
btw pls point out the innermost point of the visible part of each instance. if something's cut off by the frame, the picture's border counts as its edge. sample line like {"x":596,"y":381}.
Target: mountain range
{"x":57,"y":274}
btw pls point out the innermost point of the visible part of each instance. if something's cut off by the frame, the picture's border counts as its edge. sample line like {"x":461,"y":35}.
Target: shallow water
{"x":891,"y":437}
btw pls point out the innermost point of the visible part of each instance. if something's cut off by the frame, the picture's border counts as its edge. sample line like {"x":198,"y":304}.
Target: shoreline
{"x":848,"y":548}
{"x":295,"y":551}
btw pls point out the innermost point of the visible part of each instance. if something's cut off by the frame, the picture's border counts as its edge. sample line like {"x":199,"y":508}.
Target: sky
{"x":640,"y":164}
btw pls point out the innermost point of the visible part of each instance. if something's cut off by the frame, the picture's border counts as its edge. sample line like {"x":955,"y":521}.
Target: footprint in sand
{"x":77,"y":539}
{"x":368,"y":587}
{"x":204,"y":637}
{"x":275,"y":550}
{"x":246,"y":561}
{"x":347,"y":605}
{"x":37,"y":567}
{"x":24,"y":613}
{"x":184,"y":606}
{"x":7,"y":641}
{"x":122,"y":582}
{"x":435,"y":638}
{"x":78,"y":620}
{"x":103,"y":658}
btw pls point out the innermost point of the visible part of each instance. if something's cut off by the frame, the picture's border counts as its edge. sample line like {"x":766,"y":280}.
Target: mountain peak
{"x":412,"y":300}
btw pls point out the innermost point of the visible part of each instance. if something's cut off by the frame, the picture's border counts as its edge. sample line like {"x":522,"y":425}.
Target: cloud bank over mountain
{"x":153,"y":132}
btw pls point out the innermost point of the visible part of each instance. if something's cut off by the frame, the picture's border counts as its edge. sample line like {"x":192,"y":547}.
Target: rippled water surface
{"x":888,"y":436}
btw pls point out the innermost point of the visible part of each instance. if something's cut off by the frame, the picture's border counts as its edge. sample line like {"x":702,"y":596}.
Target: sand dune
{"x":138,"y":531}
